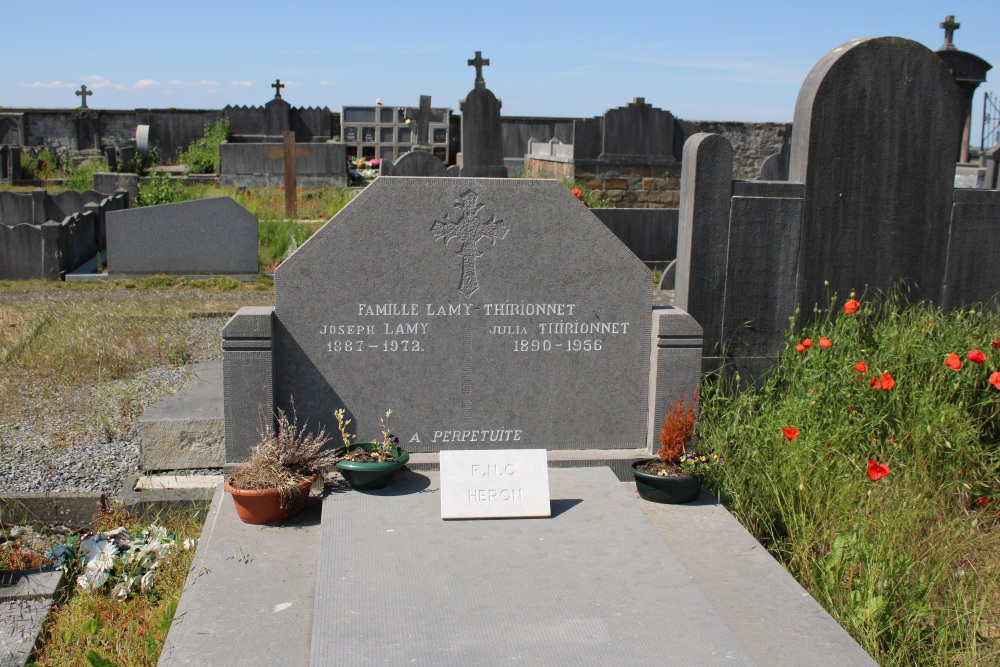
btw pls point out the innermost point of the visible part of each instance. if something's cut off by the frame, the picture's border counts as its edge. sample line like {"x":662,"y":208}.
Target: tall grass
{"x":908,"y":564}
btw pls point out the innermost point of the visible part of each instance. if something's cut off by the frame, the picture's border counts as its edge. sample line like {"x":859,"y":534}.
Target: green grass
{"x":89,"y":627}
{"x":907,"y":564}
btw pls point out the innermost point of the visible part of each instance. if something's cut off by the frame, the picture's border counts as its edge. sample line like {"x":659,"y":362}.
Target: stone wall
{"x":752,"y":142}
{"x":632,"y":185}
{"x":542,"y":168}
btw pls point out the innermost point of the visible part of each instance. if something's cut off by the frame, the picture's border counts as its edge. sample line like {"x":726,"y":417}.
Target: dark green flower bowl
{"x":667,"y":490}
{"x":371,"y":476}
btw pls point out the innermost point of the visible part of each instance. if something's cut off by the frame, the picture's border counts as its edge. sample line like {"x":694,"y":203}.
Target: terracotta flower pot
{"x":375,"y":475}
{"x":667,"y":490}
{"x":264,"y":506}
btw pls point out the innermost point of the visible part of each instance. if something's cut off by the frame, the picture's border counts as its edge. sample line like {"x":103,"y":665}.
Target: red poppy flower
{"x":824,"y":342}
{"x":887,"y":382}
{"x":995,"y":380}
{"x":807,"y":343}
{"x":977,"y":356}
{"x":577,"y":193}
{"x":861,"y":367}
{"x":281,"y":188}
{"x":799,"y":347}
{"x":876,"y":470}
{"x":953,"y":362}
{"x":983,"y":502}
{"x":996,"y":344}
{"x":790,"y":433}
{"x":851,"y":306}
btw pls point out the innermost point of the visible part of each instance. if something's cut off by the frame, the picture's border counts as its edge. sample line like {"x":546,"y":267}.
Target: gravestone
{"x":876,"y":125}
{"x":482,"y":136}
{"x":419,"y":161}
{"x":452,"y":302}
{"x":213,"y":236}
{"x":638,"y":129}
{"x":83,"y":94}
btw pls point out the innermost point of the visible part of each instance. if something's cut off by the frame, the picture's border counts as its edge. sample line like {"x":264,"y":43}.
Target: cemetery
{"x":443,"y":383}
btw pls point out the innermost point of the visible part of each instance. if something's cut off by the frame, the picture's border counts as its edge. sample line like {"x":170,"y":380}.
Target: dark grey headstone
{"x":506,"y":356}
{"x":638,"y":129}
{"x":482,"y":135}
{"x":587,"y":137}
{"x":973,"y":270}
{"x":876,"y":126}
{"x":108,"y":184}
{"x":703,"y":232}
{"x":651,"y":233}
{"x":207,"y":236}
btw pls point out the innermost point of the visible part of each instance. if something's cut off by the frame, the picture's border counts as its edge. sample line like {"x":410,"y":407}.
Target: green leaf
{"x":98,"y":660}
{"x":92,"y":626}
{"x":168,"y":615}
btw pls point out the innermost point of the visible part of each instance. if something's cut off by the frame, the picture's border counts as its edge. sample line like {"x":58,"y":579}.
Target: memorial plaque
{"x":405,"y":135}
{"x":385,"y":135}
{"x":350,"y":134}
{"x":440,"y":135}
{"x":486,"y":313}
{"x":493,"y":484}
{"x":368,"y":135}
{"x":358,"y":114}
{"x":387,"y":115}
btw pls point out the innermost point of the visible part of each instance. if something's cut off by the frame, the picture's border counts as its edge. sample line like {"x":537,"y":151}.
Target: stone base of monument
{"x":607,"y":579}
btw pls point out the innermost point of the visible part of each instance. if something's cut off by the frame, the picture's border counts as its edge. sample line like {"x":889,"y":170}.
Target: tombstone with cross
{"x":482,"y":138}
{"x":290,"y":153}
{"x":423,"y":116}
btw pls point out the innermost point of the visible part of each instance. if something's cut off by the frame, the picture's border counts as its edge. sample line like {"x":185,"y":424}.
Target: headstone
{"x":10,"y":130}
{"x":110,"y":183}
{"x":968,"y":70}
{"x":493,"y":484}
{"x":448,"y":301}
{"x":638,"y":129}
{"x":213,"y":236}
{"x":289,"y":153}
{"x":423,"y":115}
{"x":876,"y":125}
{"x":414,"y":163}
{"x":482,"y":136}
{"x":142,"y":140}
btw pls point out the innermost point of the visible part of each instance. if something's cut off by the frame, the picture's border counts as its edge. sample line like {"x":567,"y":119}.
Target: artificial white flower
{"x":146,"y":582}
{"x":190,"y":543}
{"x":93,"y":577}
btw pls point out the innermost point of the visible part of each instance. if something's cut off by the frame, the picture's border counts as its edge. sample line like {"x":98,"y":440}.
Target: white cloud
{"x":324,"y":82}
{"x":99,"y":82}
{"x":204,"y":83}
{"x":241,"y":84}
{"x":144,"y":83}
{"x":42,"y":84}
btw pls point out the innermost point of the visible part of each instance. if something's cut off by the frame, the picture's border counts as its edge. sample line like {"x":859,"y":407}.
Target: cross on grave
{"x":289,"y":153}
{"x":277,"y":85}
{"x":949,"y":26}
{"x":469,"y":229}
{"x":423,"y":115}
{"x":478,"y":62}
{"x":83,"y":93}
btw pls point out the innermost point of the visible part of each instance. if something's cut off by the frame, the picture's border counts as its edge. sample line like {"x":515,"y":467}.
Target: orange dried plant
{"x":678,"y":429}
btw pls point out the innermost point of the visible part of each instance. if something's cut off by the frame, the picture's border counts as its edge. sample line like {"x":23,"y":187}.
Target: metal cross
{"x":83,"y":93}
{"x":469,"y":230}
{"x":423,"y":115}
{"x":478,"y":62}
{"x":277,"y":85}
{"x":949,"y":26}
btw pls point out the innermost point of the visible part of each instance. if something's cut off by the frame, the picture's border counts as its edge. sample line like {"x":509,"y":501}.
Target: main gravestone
{"x":486,"y":314}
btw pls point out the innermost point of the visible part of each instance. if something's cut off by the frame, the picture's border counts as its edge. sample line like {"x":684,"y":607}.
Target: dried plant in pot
{"x":274,"y":483}
{"x":675,"y":477}
{"x":369,"y":465}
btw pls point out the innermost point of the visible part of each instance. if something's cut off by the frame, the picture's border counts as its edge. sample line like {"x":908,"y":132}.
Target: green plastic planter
{"x":371,"y":476}
{"x":667,"y":490}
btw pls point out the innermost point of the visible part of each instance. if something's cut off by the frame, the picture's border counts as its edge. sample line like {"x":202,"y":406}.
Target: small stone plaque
{"x":494,"y":484}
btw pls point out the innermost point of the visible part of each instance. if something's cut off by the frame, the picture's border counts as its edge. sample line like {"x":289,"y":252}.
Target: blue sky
{"x":701,"y":61}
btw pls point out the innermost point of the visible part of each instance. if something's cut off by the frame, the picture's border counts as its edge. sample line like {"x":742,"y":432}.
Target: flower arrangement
{"x":283,"y":458}
{"x":381,"y":451}
{"x":117,"y":560}
{"x":676,"y":434}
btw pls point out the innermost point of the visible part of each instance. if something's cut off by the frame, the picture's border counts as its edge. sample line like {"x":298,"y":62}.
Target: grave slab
{"x":186,"y":430}
{"x":593,"y":585}
{"x":25,"y":600}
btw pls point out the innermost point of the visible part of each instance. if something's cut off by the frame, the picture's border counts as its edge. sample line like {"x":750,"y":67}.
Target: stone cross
{"x":949,"y":26}
{"x":277,"y":85}
{"x":469,"y":229}
{"x":83,"y":93}
{"x":423,"y":115}
{"x":478,"y":62}
{"x":289,"y":153}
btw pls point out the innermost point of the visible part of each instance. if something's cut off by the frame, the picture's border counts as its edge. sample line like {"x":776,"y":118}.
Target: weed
{"x":202,"y":155}
{"x":161,"y":189}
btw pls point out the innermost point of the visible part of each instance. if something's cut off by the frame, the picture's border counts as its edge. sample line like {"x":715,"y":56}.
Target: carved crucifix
{"x":289,"y":153}
{"x":277,"y":85}
{"x":423,"y":116}
{"x":478,"y":62}
{"x":469,"y":229}
{"x":83,"y":93}
{"x":949,"y":26}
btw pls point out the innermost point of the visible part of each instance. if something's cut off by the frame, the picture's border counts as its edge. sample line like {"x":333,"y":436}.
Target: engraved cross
{"x":423,"y":115}
{"x":277,"y":85}
{"x":469,"y":229}
{"x":949,"y":26}
{"x":83,"y":93}
{"x":478,"y":62}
